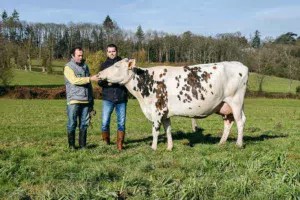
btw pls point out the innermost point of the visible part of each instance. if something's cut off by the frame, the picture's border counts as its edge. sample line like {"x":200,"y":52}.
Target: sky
{"x":202,"y":17}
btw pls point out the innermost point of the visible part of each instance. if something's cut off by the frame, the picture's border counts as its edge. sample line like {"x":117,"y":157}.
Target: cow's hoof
{"x":154,"y":148}
{"x":195,"y":129}
{"x":239,"y":145}
{"x":169,"y":148}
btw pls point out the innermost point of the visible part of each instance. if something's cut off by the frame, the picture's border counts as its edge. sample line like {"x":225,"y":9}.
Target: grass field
{"x":35,"y":162}
{"x":21,"y":77}
{"x":272,"y":84}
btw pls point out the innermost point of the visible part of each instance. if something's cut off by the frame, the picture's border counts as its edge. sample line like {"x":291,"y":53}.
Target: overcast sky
{"x":210,"y":17}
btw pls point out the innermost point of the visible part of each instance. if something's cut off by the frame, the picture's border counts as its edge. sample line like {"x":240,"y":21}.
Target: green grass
{"x":272,"y":84}
{"x":21,"y":77}
{"x":35,"y":162}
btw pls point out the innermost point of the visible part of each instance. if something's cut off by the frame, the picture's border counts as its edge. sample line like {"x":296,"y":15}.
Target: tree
{"x":94,"y":59}
{"x":140,"y":37}
{"x":4,"y":16}
{"x":288,"y":38}
{"x":108,"y":23}
{"x":265,"y":58}
{"x":13,"y":24}
{"x":5,"y":56}
{"x":291,"y":62}
{"x":3,"y":30}
{"x":256,"y":40}
{"x":109,"y":27}
{"x":15,"y":15}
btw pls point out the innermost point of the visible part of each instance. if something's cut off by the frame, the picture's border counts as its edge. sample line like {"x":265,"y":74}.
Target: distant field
{"x":35,"y":162}
{"x":271,"y":84}
{"x":21,"y":77}
{"x":57,"y":66}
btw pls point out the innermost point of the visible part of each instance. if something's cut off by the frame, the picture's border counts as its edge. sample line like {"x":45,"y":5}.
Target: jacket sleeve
{"x":91,"y":103}
{"x":102,"y":83}
{"x":70,"y":75}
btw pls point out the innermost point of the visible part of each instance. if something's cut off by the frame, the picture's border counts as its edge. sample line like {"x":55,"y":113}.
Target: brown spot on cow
{"x":214,"y":67}
{"x":188,"y":88}
{"x":161,"y":96}
{"x":205,"y":76}
{"x":165,"y":70}
{"x":210,"y":85}
{"x":202,"y":97}
{"x":194,"y":82}
{"x":145,"y":81}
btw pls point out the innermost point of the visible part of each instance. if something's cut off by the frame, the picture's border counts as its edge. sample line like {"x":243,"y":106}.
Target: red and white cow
{"x":191,"y":91}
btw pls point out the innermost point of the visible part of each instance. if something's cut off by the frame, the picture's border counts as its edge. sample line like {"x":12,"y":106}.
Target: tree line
{"x":22,"y":41}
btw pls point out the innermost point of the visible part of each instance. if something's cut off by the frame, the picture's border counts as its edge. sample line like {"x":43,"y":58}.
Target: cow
{"x":195,"y":91}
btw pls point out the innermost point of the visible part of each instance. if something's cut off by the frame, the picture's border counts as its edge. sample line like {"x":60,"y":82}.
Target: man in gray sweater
{"x":79,"y":96}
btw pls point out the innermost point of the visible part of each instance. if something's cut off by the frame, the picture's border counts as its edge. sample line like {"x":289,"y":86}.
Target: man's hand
{"x":94,"y":78}
{"x":92,"y":112}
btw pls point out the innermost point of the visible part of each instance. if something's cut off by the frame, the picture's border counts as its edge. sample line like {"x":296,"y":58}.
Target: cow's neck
{"x":131,"y":85}
{"x":137,"y":87}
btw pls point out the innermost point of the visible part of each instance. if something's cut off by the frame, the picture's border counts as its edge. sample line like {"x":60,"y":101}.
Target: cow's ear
{"x":131,"y":64}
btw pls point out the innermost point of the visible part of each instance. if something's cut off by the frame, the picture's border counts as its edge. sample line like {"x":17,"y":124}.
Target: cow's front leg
{"x":167,"y":127}
{"x":155,"y":132}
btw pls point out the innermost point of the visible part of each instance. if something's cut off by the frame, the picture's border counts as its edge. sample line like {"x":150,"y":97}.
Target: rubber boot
{"x":82,"y":139}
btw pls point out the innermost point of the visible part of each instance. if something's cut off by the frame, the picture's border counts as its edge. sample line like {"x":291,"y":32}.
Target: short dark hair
{"x":74,"y":49}
{"x":112,"y":45}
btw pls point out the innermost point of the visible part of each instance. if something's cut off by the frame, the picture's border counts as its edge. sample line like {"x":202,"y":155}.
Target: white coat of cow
{"x":191,"y":91}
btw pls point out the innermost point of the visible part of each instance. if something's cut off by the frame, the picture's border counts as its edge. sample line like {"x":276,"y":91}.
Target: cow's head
{"x":120,"y":72}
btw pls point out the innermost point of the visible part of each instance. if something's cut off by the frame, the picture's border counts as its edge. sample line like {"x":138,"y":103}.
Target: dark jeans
{"x":107,"y":109}
{"x":80,"y":111}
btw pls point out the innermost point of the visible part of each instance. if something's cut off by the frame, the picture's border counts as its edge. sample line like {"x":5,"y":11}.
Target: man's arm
{"x":70,"y":75}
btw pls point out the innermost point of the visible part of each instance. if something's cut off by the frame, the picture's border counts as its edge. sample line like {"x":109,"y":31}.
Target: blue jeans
{"x":107,"y":109}
{"x":80,"y":111}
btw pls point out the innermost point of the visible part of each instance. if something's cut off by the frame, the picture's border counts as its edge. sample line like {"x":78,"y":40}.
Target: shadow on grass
{"x":92,"y":146}
{"x":198,"y":137}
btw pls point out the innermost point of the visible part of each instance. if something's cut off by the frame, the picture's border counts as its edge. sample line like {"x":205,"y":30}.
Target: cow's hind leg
{"x":194,"y":125}
{"x":241,"y":125}
{"x":228,"y":122}
{"x":155,"y":132}
{"x":167,"y":127}
{"x":240,"y":118}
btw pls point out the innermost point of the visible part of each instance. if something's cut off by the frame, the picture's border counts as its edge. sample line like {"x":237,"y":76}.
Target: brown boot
{"x":106,"y":138}
{"x":120,"y":139}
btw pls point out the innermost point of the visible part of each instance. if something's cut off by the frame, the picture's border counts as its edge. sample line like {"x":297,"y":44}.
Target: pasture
{"x":35,"y":162}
